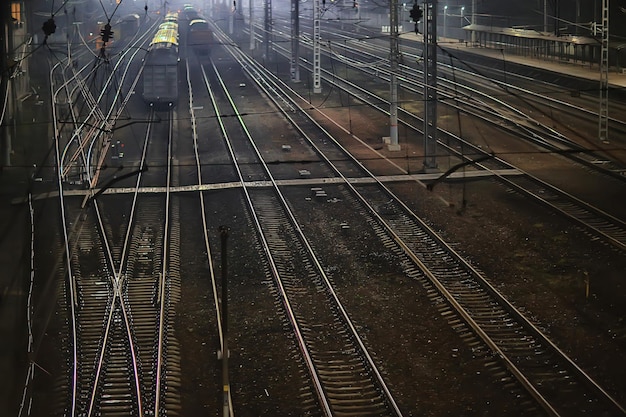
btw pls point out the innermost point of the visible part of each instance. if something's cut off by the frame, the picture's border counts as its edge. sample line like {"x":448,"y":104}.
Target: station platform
{"x":576,"y":69}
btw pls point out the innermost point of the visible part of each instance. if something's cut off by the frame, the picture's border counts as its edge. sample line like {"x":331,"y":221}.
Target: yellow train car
{"x":160,"y":72}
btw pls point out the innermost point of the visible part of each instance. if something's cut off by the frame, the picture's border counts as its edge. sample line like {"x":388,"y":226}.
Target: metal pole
{"x":231,"y":18}
{"x":224,"y":316}
{"x":252,"y":40}
{"x":545,"y":16}
{"x":317,"y":49}
{"x":267,"y":36}
{"x":603,"y":123}
{"x":473,"y":22}
{"x":430,"y":85}
{"x":6,"y":40}
{"x":577,"y":18}
{"x":445,"y":19}
{"x":557,"y":21}
{"x":393,"y":82}
{"x":295,"y":40}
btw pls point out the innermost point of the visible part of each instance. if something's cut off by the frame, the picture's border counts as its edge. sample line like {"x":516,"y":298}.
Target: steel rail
{"x":247,"y":64}
{"x":609,"y":233}
{"x":70,"y":275}
{"x":164,"y":272}
{"x":531,"y":389}
{"x":203,"y":216}
{"x":98,"y":123}
{"x":509,"y":363}
{"x":108,"y":123}
{"x":547,"y":138}
{"x":527,"y":125}
{"x":103,"y":123}
{"x":531,"y":129}
{"x":116,"y":281}
{"x":273,"y":267}
{"x":506,"y":86}
{"x":116,"y":284}
{"x":30,"y":374}
{"x":72,"y":111}
{"x":616,"y":238}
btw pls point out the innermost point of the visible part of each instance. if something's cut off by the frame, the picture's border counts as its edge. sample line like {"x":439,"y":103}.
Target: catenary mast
{"x":251,"y":26}
{"x":430,"y":85}
{"x":393,"y":82}
{"x":603,"y":123}
{"x":295,"y":40}
{"x":317,"y":16}
{"x":267,"y":35}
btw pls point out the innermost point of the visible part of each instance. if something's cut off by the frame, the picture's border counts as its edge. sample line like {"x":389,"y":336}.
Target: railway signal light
{"x":416,"y":13}
{"x":106,"y":33}
{"x":596,"y":29}
{"x":49,"y":27}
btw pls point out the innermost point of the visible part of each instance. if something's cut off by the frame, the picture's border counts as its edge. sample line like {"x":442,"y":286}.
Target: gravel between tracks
{"x":540,"y":262}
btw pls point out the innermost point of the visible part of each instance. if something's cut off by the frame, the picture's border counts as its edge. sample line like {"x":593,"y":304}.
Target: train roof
{"x":190,"y":12}
{"x":165,"y":36}
{"x":199,"y":22}
{"x":171,"y":17}
{"x":169,"y":25}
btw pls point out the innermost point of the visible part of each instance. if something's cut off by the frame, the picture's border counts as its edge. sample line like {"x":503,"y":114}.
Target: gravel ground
{"x":536,"y":259}
{"x":539,"y":261}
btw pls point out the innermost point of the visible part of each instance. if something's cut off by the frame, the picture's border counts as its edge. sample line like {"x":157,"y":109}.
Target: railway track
{"x":121,"y":291}
{"x":501,"y":89}
{"x":485,"y":104}
{"x":343,"y":375}
{"x":548,"y":375}
{"x":595,"y":221}
{"x":514,"y":347}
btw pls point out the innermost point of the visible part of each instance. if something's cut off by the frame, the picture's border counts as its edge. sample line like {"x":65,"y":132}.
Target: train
{"x":127,"y":29}
{"x":190,"y":13}
{"x":199,"y":35}
{"x":160,"y":73}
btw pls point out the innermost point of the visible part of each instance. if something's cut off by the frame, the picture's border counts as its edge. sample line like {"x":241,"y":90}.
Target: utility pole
{"x":224,"y":316}
{"x":445,"y":22}
{"x":267,"y":35}
{"x":430,"y":85}
{"x":577,"y":19}
{"x":6,"y":44}
{"x":545,"y":16}
{"x":393,"y":83}
{"x":473,"y":22}
{"x":557,"y":17}
{"x":603,"y":123}
{"x":317,"y":16}
{"x":295,"y":40}
{"x":252,"y":41}
{"x":231,"y":18}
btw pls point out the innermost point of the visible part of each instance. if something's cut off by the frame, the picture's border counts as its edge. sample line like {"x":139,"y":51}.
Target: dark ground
{"x":539,"y":261}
